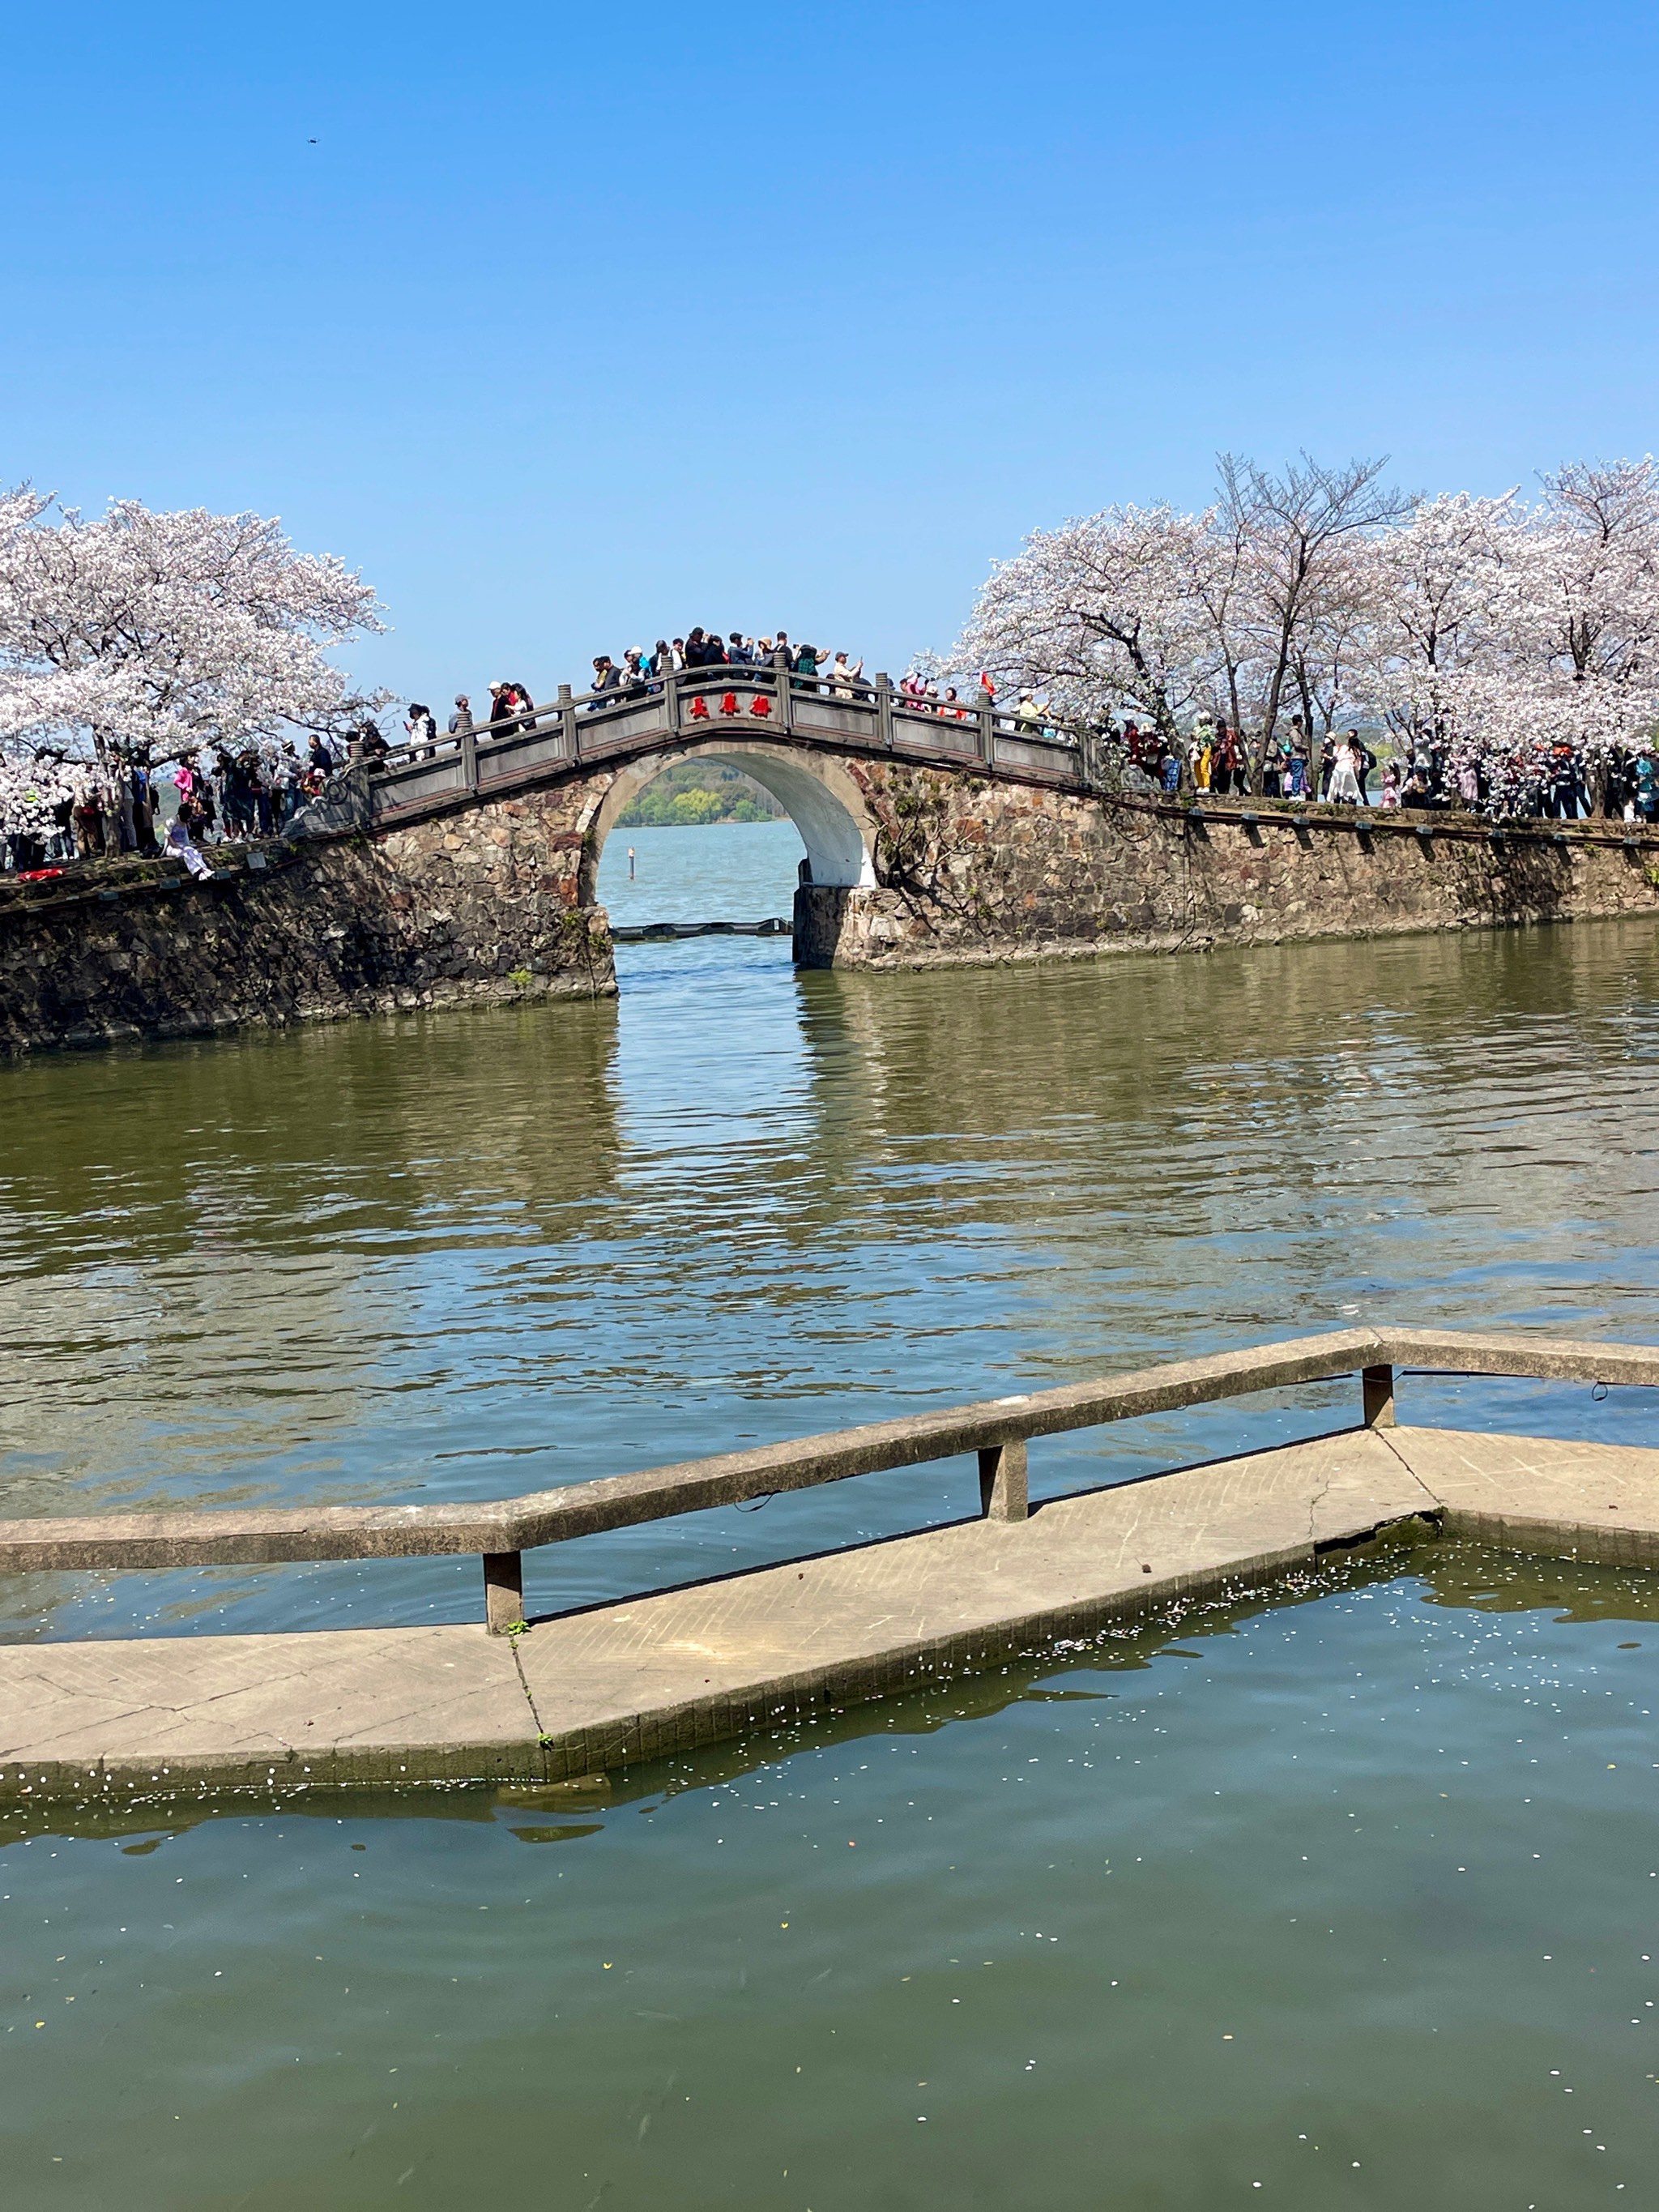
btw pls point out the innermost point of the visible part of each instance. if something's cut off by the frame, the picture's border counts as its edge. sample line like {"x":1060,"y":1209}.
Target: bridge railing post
{"x":1376,"y":1386}
{"x":884,"y":712}
{"x":987,"y":730}
{"x":469,"y":757}
{"x":786,"y":695}
{"x":570,"y":733}
{"x":670,"y":695}
{"x":1003,"y":1494}
{"x":503,"y":1581}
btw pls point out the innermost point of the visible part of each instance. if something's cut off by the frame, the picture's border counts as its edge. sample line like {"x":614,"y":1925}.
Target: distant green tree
{"x":694,"y":792}
{"x":697,"y":807}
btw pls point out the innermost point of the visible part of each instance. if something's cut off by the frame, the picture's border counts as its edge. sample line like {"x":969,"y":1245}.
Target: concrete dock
{"x":662,"y":1674}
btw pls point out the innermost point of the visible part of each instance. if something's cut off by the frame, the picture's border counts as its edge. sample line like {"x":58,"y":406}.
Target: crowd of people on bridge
{"x":636,"y":674}
{"x":1349,"y":767}
{"x":639,"y":671}
{"x":833,"y":674}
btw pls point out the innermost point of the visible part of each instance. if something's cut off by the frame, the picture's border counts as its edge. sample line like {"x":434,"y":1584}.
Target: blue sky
{"x":576,"y":327}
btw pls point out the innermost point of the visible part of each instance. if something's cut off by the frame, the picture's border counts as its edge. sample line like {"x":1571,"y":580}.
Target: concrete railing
{"x":999,"y":1431}
{"x":587,"y":730}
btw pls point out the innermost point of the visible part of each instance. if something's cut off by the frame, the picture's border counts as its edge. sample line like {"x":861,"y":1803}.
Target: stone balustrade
{"x":608,"y":728}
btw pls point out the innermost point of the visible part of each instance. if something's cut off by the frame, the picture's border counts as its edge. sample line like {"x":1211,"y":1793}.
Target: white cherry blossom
{"x":167,"y":631}
{"x":1482,"y":632}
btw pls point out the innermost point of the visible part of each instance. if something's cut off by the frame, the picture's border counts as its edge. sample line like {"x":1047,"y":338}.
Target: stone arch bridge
{"x":933,"y":835}
{"x":501,"y":829}
{"x":466,"y":870}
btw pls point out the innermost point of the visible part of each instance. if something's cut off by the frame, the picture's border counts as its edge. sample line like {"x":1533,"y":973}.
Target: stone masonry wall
{"x":474,"y":906}
{"x":482,"y":904}
{"x":972,"y":870}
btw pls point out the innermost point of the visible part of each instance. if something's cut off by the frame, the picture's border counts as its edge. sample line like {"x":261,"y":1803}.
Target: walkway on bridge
{"x":738,"y":703}
{"x":660,"y":1674}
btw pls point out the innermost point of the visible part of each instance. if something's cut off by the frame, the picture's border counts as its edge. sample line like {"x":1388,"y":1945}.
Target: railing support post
{"x":1002,"y":1485}
{"x":988,"y":731}
{"x":1377,"y":1384}
{"x":469,"y":758}
{"x":670,"y":695}
{"x":571,"y":736}
{"x":786,"y":695}
{"x":885,"y":712}
{"x":503,"y":1573}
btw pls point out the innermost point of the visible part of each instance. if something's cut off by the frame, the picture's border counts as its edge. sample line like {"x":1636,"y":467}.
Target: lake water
{"x":1351,"y":1896}
{"x":729,"y":871}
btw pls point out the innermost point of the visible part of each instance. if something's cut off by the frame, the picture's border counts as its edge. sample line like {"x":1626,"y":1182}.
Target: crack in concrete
{"x":1388,"y":1435}
{"x":1384,"y":1436}
{"x":524,"y":1684}
{"x":1314,"y":1504}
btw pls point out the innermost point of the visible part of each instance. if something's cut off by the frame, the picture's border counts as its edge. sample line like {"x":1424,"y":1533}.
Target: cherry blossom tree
{"x":1298,"y":532}
{"x":1586,"y":607}
{"x":1439,"y":592}
{"x":1151,"y":612}
{"x":168,"y":631}
{"x":1219,"y":580}
{"x":1506,"y":632}
{"x":32,"y":793}
{"x":1485,"y":635}
{"x":1100,"y":614}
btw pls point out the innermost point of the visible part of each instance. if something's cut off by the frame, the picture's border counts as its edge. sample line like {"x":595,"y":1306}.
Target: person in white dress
{"x":1344,"y":777}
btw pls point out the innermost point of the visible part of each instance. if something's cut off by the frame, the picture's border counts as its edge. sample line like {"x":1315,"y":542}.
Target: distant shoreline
{"x":632,"y":820}
{"x":695,"y":794}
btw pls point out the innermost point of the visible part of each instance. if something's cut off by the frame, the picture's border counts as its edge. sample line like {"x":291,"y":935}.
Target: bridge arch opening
{"x":819,"y":794}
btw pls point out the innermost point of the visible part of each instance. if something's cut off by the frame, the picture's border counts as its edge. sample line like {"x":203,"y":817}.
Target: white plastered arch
{"x":818,"y":793}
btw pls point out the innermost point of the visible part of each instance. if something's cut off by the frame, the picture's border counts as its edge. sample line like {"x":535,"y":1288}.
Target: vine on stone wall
{"x":920,"y":830}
